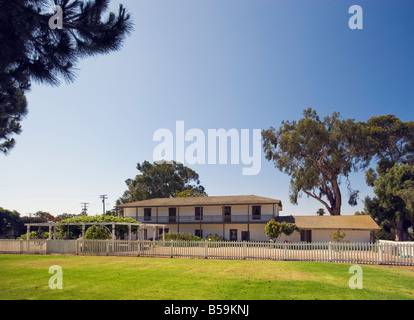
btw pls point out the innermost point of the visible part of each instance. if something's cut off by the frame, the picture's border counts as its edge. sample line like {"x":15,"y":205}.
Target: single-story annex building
{"x":241,"y":218}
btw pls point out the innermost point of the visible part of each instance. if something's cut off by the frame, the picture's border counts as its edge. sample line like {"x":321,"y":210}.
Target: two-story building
{"x":240,"y":218}
{"x":235,"y":218}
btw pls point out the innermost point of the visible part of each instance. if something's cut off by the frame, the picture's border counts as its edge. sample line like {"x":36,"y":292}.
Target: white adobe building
{"x":241,"y":218}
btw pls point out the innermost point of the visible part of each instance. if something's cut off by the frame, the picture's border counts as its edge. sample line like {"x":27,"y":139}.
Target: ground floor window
{"x":233,"y":234}
{"x":166,"y":230}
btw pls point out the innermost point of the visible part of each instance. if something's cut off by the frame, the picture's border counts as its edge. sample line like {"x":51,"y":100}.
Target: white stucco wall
{"x":325,"y":236}
{"x":210,"y":213}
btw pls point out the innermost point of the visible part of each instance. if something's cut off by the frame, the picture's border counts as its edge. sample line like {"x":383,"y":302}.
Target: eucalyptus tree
{"x":391,"y":141}
{"x":317,"y":154}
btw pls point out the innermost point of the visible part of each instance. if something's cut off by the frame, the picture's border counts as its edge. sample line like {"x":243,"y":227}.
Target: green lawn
{"x":96,"y":278}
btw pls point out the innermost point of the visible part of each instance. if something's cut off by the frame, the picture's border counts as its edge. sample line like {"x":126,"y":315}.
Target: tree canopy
{"x":393,"y":206}
{"x":391,"y":141}
{"x":161,"y":180}
{"x":317,"y":153}
{"x":33,"y":51}
{"x":10,"y":222}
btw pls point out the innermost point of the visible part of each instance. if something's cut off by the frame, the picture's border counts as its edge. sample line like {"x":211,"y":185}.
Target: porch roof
{"x":359,"y":222}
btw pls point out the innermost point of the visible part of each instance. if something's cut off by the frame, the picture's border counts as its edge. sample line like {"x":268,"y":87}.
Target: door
{"x":172,"y":214}
{"x":306,"y":235}
{"x":233,"y":235}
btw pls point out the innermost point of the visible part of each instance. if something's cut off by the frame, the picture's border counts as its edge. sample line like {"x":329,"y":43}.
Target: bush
{"x":97,"y":233}
{"x":180,"y":236}
{"x":36,"y":235}
{"x":214,"y":237}
{"x":338,"y":236}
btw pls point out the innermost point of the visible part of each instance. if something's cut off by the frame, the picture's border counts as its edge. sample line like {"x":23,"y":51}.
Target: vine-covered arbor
{"x":53,"y":226}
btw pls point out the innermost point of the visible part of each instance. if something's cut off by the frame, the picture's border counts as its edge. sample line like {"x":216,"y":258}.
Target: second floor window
{"x":227,"y":214}
{"x":256,"y":212}
{"x":199,"y":213}
{"x":147,"y":214}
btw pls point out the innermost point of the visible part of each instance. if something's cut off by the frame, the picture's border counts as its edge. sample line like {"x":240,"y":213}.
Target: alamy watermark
{"x":218,"y":146}
{"x":56,"y":21}
{"x":355,"y":282}
{"x":356,"y":21}
{"x":56,"y":281}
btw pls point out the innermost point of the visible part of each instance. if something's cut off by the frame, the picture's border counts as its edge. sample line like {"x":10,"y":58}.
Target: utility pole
{"x":103,"y":197}
{"x":84,"y":208}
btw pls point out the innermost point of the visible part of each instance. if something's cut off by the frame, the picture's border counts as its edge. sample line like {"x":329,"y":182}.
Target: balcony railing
{"x":207,"y":219}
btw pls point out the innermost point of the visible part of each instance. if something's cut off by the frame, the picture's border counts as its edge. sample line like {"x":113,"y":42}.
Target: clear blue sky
{"x":213,"y":64}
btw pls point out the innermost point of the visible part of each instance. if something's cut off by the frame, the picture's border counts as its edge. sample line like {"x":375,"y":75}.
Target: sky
{"x":213,"y":64}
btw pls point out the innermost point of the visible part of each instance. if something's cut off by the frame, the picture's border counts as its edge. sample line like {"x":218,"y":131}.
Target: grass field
{"x":98,"y":278}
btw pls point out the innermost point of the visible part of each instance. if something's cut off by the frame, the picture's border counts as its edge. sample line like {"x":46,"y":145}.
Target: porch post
{"x":129,"y":233}
{"x":113,"y":231}
{"x":178,"y":220}
{"x":28,"y":233}
{"x":153,"y":233}
{"x":223,"y":220}
{"x":163,"y":233}
{"x":50,"y":232}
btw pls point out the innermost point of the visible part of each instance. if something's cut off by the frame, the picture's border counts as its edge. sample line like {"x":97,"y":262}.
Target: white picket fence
{"x":382,"y":252}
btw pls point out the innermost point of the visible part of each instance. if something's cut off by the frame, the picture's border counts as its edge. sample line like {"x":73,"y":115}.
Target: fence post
{"x":244,"y":250}
{"x":21,"y":246}
{"x":138,"y":248}
{"x":330,"y":251}
{"x":206,"y":250}
{"x":379,"y":253}
{"x":172,"y":244}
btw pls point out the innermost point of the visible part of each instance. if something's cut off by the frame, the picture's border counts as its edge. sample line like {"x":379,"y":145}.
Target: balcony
{"x":207,"y":219}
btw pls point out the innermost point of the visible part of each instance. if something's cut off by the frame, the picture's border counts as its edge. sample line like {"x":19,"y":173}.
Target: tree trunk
{"x":336,"y":211}
{"x":401,"y":234}
{"x":336,"y":206}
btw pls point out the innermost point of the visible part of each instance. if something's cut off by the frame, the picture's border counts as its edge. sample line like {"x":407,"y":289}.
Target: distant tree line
{"x":12,"y":224}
